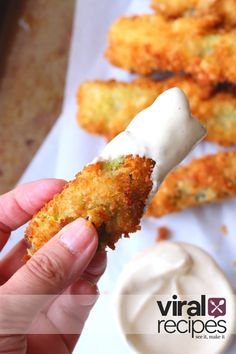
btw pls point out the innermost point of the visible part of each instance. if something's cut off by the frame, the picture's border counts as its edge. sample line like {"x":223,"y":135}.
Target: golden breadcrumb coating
{"x":149,"y":43}
{"x":110,"y":194}
{"x":225,"y":10}
{"x":209,"y":179}
{"x":107,"y":107}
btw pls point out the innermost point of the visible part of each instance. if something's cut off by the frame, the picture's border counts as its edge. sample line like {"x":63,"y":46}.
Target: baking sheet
{"x":69,"y":148}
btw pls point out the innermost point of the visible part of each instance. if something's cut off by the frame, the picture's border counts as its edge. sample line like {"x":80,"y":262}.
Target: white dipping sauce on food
{"x":165,"y":132}
{"x":187,"y":272}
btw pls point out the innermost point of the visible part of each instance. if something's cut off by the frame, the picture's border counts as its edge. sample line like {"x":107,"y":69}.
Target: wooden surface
{"x":34,"y":44}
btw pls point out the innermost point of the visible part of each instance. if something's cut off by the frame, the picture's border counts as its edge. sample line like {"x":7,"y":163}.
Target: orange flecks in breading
{"x":163,"y":234}
{"x":224,"y":229}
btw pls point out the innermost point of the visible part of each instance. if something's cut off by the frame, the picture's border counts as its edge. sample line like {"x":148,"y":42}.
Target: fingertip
{"x":31,"y":196}
{"x":89,"y":225}
{"x":45,"y":183}
{"x":50,"y":185}
{"x":79,"y":237}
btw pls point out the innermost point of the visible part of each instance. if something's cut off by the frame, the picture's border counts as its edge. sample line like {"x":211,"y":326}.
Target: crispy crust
{"x":149,"y":43}
{"x":110,"y":194}
{"x":114,"y":104}
{"x":209,"y":179}
{"x":223,"y":9}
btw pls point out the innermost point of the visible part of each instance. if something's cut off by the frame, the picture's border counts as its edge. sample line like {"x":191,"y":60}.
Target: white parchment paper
{"x":68,"y":149}
{"x":200,"y":226}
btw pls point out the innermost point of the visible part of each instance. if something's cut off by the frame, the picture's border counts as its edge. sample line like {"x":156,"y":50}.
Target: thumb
{"x":53,"y":268}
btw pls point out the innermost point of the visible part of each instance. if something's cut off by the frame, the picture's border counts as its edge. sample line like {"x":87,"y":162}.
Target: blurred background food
{"x":34,"y":44}
{"x":193,"y":43}
{"x":199,"y":46}
{"x":209,"y":179}
{"x":224,"y":10}
{"x":116,"y":103}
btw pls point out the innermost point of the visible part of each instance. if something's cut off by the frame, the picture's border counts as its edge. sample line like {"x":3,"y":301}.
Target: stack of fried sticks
{"x":195,"y":40}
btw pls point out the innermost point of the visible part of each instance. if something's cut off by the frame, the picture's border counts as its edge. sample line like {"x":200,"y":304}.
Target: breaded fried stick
{"x":149,"y":43}
{"x":209,"y":179}
{"x":114,"y":104}
{"x":113,"y":191}
{"x":111,"y":194}
{"x":225,"y":10}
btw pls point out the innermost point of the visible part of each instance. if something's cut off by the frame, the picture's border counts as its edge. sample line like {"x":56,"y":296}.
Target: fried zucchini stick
{"x":225,"y":10}
{"x":209,"y":179}
{"x":114,"y":104}
{"x":113,"y":191}
{"x":110,"y":194}
{"x":149,"y":43}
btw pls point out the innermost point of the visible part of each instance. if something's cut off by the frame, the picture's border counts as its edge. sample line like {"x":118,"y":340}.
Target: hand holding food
{"x":114,"y":190}
{"x":29,"y":302}
{"x":184,"y":45}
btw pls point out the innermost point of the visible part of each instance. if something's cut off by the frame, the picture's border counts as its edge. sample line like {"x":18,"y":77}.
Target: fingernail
{"x":78,"y":236}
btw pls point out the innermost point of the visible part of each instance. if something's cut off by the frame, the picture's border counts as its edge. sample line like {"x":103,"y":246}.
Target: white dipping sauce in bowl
{"x":174,"y":299}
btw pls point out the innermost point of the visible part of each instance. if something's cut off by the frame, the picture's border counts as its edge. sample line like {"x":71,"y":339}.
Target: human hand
{"x":66,"y":265}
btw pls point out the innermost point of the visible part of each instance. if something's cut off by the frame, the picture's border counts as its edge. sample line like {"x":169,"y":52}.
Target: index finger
{"x":19,"y":205}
